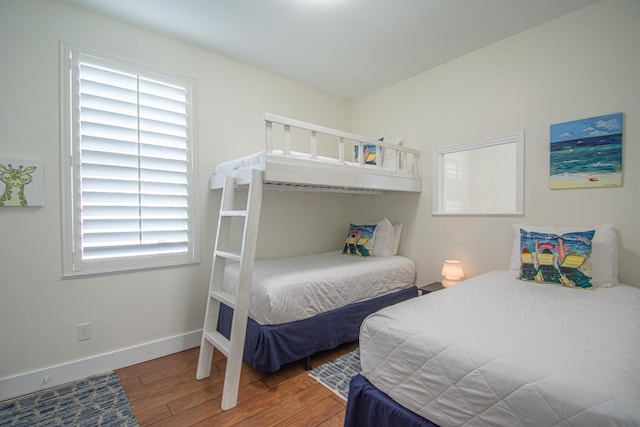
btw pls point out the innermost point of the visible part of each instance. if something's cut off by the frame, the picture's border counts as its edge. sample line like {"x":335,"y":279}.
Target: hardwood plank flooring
{"x":165,"y":392}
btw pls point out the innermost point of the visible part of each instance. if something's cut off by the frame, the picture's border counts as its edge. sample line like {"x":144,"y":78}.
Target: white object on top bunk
{"x":287,"y":170}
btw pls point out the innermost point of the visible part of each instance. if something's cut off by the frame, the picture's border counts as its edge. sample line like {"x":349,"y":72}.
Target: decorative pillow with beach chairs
{"x":370,"y":154}
{"x":550,"y":258}
{"x":360,"y":240}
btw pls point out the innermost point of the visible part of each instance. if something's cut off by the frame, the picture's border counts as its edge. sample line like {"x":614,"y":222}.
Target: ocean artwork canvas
{"x":586,"y":153}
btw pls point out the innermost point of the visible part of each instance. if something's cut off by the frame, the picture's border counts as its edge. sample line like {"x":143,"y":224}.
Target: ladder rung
{"x":219,"y":341}
{"x":233,"y":213}
{"x":227,"y":298}
{"x":229,"y":255}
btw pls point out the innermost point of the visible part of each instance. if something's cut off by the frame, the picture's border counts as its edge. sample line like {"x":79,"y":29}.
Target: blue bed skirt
{"x":268,"y":347}
{"x":368,"y":406}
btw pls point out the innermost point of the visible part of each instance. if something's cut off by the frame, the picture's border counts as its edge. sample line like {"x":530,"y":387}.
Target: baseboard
{"x":41,"y":379}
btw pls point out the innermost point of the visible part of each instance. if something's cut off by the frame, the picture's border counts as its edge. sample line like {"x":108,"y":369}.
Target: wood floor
{"x":165,"y":392}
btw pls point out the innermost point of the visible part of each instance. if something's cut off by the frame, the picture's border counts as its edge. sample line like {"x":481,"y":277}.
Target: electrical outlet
{"x":84,"y":331}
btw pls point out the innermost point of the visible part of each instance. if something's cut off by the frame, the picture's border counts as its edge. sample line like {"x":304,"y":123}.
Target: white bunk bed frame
{"x":284,"y":170}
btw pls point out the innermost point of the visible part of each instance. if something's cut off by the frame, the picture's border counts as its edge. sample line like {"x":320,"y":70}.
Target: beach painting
{"x":586,"y":153}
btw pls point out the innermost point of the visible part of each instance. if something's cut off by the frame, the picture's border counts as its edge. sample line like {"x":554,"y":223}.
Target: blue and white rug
{"x":336,"y":375}
{"x":99,"y":400}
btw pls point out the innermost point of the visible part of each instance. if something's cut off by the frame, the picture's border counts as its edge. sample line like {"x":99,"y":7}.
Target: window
{"x":128,"y":172}
{"x":484,"y":177}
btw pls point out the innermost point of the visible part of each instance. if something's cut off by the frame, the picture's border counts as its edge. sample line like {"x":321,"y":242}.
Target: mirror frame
{"x":438,"y":171}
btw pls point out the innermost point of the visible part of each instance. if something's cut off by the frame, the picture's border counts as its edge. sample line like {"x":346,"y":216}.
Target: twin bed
{"x":306,"y":304}
{"x":496,"y":350}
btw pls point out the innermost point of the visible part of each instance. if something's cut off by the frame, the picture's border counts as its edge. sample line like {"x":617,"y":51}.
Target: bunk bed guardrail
{"x":405,"y":158}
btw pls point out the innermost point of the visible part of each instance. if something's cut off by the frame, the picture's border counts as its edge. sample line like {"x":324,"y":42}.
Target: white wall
{"x":582,"y":65}
{"x":38,"y":310}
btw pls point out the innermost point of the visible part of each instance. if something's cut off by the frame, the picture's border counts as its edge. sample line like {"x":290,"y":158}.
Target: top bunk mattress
{"x":289,"y":289}
{"x":494,"y":350}
{"x":260,"y":159}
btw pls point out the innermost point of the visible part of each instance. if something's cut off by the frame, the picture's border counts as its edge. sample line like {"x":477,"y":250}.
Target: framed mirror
{"x":484,"y":177}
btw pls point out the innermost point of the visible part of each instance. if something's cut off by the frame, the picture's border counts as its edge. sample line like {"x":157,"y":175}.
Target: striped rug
{"x":99,"y":400}
{"x":336,"y":375}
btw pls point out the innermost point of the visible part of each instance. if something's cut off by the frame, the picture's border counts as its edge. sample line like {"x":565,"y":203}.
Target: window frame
{"x":73,"y":264}
{"x":442,"y":206}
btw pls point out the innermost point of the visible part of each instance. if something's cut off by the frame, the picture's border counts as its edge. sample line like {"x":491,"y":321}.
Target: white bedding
{"x":494,"y":350}
{"x":258,"y":160}
{"x":289,"y":289}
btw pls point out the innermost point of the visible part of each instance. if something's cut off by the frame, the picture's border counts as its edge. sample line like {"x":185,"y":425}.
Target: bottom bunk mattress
{"x":290,"y":289}
{"x":495,"y":350}
{"x":268,"y":347}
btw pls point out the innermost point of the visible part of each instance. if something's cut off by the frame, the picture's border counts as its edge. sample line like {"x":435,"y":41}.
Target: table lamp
{"x":452,"y":273}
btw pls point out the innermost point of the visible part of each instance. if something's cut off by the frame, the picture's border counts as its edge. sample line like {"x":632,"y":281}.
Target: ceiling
{"x":349,"y":48}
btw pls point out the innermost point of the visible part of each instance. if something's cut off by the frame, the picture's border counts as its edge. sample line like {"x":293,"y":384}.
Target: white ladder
{"x":232,"y":348}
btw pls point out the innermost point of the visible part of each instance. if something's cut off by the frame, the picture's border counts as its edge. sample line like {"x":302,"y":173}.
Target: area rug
{"x":99,"y":400}
{"x":336,"y":375}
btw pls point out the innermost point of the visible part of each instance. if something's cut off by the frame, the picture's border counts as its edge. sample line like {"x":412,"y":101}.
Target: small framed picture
{"x":21,"y":183}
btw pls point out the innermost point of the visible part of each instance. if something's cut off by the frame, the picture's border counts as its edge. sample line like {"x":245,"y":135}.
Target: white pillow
{"x":383,"y":242}
{"x":397,"y":231}
{"x":604,"y":252}
{"x":390,"y":156}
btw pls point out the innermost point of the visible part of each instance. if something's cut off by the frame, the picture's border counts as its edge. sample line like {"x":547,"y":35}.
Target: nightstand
{"x":431,"y":287}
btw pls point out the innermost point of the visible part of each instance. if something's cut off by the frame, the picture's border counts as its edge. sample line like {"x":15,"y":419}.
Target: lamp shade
{"x":452,"y":272}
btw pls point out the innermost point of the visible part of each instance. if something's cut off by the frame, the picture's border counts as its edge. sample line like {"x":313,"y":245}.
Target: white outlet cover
{"x":84,"y":331}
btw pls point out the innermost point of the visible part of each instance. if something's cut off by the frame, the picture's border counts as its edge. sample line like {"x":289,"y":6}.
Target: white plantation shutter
{"x":131,"y":150}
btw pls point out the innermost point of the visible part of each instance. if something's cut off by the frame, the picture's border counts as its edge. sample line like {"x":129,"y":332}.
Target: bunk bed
{"x":499,"y":349}
{"x":289,"y":309}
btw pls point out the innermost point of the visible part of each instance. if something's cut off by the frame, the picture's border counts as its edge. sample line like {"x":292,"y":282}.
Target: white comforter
{"x":259,"y":160}
{"x":497,"y":351}
{"x":289,"y":289}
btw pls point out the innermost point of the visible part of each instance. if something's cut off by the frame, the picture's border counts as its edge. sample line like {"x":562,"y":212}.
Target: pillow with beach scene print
{"x":551,"y":258}
{"x":370,"y":153}
{"x":360,"y":240}
{"x":604,"y":249}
